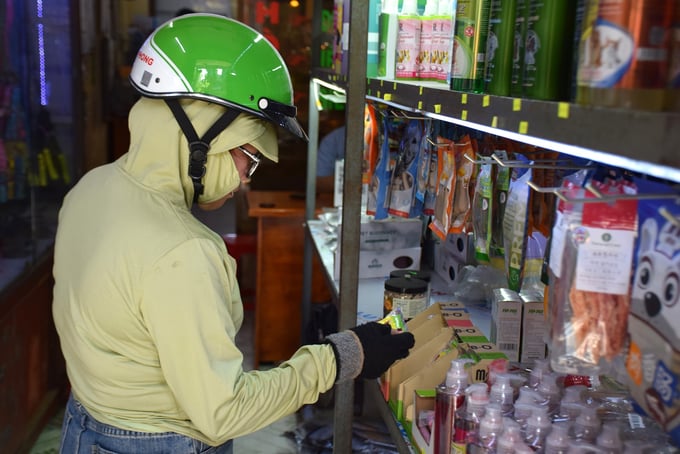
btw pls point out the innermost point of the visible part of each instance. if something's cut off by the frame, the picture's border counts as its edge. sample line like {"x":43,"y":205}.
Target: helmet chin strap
{"x":198,"y":148}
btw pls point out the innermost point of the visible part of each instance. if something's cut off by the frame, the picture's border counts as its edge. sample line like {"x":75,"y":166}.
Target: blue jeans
{"x":82,"y":434}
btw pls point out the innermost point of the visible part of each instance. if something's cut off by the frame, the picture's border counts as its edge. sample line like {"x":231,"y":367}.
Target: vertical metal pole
{"x":310,"y":207}
{"x":351,"y":209}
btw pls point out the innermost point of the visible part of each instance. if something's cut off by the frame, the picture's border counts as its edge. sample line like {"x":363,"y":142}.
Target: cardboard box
{"x":434,"y":311}
{"x":374,"y":264}
{"x":534,"y":328}
{"x":446,"y":264}
{"x":471,"y":334}
{"x":429,"y":376}
{"x":423,"y":400}
{"x":506,"y":322}
{"x":430,"y":341}
{"x":484,"y":353}
{"x":461,"y":246}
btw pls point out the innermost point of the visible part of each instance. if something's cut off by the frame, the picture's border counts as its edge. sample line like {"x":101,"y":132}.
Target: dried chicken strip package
{"x":433,"y":172}
{"x":653,"y":359}
{"x":403,"y":184}
{"x":594,"y":288}
{"x":441,"y":220}
{"x":465,"y":171}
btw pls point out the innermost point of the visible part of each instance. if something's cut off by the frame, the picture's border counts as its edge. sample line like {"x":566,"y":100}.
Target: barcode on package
{"x":635,"y":421}
{"x":507,"y":347}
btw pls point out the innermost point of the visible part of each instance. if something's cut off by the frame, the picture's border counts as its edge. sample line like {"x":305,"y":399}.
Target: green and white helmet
{"x":217,"y":59}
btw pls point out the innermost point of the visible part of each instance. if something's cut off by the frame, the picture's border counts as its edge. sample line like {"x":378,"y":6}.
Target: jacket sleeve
{"x":189,"y":301}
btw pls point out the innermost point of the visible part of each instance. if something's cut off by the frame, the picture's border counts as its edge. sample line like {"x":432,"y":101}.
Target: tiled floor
{"x":308,"y":431}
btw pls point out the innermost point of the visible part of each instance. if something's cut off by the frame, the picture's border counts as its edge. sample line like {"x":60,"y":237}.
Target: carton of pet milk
{"x":506,"y":322}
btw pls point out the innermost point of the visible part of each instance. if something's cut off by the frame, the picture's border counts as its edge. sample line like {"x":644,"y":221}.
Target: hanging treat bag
{"x":653,"y":361}
{"x":423,"y":173}
{"x":403,"y":183}
{"x":482,"y":210}
{"x":371,"y":143}
{"x":465,"y":168}
{"x":594,"y":292}
{"x":515,"y":226}
{"x":432,"y":174}
{"x":445,"y":188}
{"x":379,"y":188}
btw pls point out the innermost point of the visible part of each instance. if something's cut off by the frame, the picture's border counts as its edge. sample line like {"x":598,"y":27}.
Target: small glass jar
{"x":406,"y":293}
{"x":423,"y":275}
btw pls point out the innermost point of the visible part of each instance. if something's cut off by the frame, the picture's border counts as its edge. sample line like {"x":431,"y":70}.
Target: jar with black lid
{"x":408,"y":294}
{"x":423,"y":275}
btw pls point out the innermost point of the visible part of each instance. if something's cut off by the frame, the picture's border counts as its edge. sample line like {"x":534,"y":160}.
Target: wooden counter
{"x":278,"y":288}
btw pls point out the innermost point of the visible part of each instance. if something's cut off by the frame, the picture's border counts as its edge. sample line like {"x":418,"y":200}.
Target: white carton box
{"x":374,"y":264}
{"x":534,"y":327}
{"x":506,"y":322}
{"x":446,"y":264}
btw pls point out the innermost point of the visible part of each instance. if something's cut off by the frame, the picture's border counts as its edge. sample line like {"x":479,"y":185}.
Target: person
{"x":146,"y":301}
{"x":331,"y":149}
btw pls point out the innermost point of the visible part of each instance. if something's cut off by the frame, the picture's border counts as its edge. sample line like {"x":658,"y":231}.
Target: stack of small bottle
{"x":537,"y":410}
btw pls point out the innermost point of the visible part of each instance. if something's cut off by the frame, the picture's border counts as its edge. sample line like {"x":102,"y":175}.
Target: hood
{"x":158,"y":156}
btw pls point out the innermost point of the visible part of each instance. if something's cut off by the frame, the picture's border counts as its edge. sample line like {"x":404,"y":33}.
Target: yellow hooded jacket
{"x":146,"y":301}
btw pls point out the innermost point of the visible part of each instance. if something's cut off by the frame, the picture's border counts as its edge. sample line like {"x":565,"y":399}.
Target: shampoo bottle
{"x":387,"y":39}
{"x":538,"y":428}
{"x":446,"y":15}
{"x":557,"y":441}
{"x":449,"y":398}
{"x":547,"y":50}
{"x":499,"y":47}
{"x":490,"y":428}
{"x":519,"y":35}
{"x":408,"y":41}
{"x":472,"y":27}
{"x":502,"y":393}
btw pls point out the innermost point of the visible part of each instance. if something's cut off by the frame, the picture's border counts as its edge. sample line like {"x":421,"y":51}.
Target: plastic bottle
{"x":472,"y":27}
{"x":468,"y":419}
{"x":570,"y":404}
{"x":547,"y":49}
{"x":541,"y":368}
{"x":519,"y":34}
{"x":502,"y":393}
{"x":624,"y":54}
{"x":587,"y":424}
{"x":429,"y":26}
{"x":635,"y":446}
{"x":446,"y":14}
{"x":387,"y":38}
{"x":449,"y":398}
{"x":583,"y":447}
{"x":610,"y":439}
{"x":550,"y":391}
{"x":538,"y":428}
{"x":557,"y":441}
{"x":408,"y":41}
{"x":490,"y":428}
{"x":510,"y":437}
{"x":499,"y":46}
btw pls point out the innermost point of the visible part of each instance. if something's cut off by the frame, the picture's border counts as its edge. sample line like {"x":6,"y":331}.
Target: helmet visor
{"x":282,"y":115}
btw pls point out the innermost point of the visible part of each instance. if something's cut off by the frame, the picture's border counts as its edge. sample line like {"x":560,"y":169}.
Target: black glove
{"x":381,"y":347}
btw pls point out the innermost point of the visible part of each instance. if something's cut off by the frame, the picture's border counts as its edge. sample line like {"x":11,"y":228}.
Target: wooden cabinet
{"x":33,"y":382}
{"x":279,"y":283}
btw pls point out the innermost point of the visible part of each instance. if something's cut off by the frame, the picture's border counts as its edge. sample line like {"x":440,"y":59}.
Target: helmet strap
{"x":198,"y":148}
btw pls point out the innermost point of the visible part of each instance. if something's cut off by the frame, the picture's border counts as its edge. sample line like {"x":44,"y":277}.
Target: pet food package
{"x":482,"y":210}
{"x":465,"y":169}
{"x":427,"y":148}
{"x":403,"y":185}
{"x":653,"y":360}
{"x":592,"y":296}
{"x":446,"y":184}
{"x":379,"y":188}
{"x":516,"y":226}
{"x":371,"y":143}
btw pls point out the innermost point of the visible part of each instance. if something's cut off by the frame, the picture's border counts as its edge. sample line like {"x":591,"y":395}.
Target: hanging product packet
{"x":371,"y":143}
{"x":594,"y":295}
{"x":432,"y":176}
{"x":482,"y":210}
{"x":379,"y":188}
{"x":465,"y":168}
{"x":403,"y":184}
{"x":516,"y":225}
{"x":653,"y":360}
{"x":445,"y":188}
{"x":423,"y":173}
